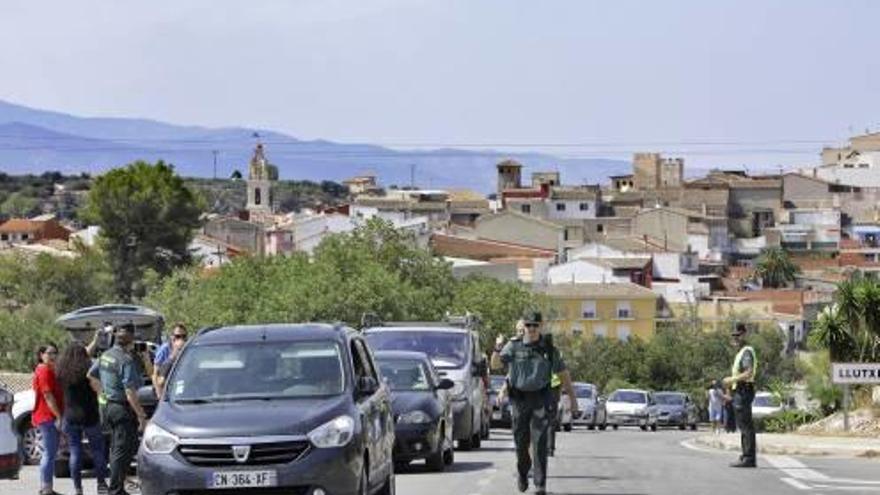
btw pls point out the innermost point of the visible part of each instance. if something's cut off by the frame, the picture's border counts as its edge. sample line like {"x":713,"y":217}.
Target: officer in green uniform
{"x":742,"y":383}
{"x":531,"y":360}
{"x":117,"y":376}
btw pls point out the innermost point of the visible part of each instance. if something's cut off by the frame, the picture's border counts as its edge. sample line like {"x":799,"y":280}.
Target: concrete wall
{"x":517,"y":230}
{"x":582,"y":272}
{"x":572,"y":209}
{"x":664,"y":226}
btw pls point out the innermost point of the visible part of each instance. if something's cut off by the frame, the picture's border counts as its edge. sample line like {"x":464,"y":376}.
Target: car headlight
{"x":159,"y":441}
{"x":414,"y":417}
{"x":335,"y":433}
{"x":458,"y":390}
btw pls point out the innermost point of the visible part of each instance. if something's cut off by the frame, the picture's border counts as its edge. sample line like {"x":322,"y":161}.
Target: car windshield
{"x":447,"y":350}
{"x":630,"y":397}
{"x":257,"y":370}
{"x":583,"y":392}
{"x":405,"y":376}
{"x":766,"y":401}
{"x":669,"y":399}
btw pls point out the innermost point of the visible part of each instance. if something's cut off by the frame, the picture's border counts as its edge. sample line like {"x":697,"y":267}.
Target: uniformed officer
{"x":532,"y":360}
{"x":118,"y":378}
{"x":742,"y":383}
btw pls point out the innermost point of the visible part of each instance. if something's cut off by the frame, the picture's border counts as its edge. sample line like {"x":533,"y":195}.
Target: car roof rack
{"x":468,"y":321}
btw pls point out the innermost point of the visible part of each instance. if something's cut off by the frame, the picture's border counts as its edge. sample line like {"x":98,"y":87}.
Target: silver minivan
{"x":456,"y":354}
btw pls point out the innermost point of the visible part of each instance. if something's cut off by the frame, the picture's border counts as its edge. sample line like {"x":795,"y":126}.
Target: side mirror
{"x":445,"y":384}
{"x":367,"y":385}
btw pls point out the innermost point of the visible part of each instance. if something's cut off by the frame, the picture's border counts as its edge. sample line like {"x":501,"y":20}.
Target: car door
{"x":376,"y":412}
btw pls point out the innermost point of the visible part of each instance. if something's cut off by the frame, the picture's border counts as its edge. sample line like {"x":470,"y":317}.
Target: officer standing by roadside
{"x":532,"y":360}
{"x":118,"y":378}
{"x":742,"y":383}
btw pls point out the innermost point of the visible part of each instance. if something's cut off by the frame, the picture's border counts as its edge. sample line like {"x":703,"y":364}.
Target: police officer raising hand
{"x":532,"y":360}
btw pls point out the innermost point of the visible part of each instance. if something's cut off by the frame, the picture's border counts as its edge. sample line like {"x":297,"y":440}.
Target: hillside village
{"x":618,"y":258}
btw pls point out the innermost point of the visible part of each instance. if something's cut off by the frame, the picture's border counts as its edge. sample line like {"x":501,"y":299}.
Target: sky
{"x":723,"y":83}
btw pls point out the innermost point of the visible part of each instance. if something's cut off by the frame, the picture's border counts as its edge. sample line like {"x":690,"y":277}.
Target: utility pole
{"x":214,"y":152}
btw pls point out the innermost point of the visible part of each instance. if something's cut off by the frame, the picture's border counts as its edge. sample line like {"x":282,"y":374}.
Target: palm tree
{"x":858,"y":300}
{"x":775,"y":268}
{"x":832,"y":331}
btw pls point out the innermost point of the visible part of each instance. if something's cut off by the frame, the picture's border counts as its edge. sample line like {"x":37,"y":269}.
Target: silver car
{"x":591,"y":405}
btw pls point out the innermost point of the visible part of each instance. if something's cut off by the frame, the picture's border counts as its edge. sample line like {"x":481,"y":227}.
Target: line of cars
{"x":311,"y":408}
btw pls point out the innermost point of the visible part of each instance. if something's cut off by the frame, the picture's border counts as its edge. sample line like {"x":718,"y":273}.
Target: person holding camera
{"x":531,"y":359}
{"x":118,"y":376}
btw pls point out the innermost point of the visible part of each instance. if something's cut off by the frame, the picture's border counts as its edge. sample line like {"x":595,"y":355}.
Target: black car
{"x":275,"y":408}
{"x":500,"y":409}
{"x":422,"y":409}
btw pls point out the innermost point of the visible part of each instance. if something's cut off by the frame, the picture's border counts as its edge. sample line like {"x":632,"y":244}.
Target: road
{"x":624,"y":462}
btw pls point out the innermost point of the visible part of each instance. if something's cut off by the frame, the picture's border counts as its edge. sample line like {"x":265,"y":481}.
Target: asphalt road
{"x":624,"y":462}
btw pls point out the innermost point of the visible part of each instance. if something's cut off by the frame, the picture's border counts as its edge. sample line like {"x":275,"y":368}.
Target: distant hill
{"x":33,"y":141}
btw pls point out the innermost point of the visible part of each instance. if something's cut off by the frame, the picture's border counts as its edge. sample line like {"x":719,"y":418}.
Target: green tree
{"x":19,"y":205}
{"x":498,"y":304}
{"x":775,"y":268}
{"x":21,"y":332}
{"x":850,"y":329}
{"x":147,"y":217}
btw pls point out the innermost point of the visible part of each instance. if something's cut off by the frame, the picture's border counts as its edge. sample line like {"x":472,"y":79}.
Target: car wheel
{"x":477,"y":441}
{"x":682,"y":426}
{"x":644,"y":427}
{"x":694,"y":427}
{"x":567,"y":427}
{"x":62,"y":470}
{"x":465,"y":445}
{"x":436,"y":462}
{"x":591,"y":427}
{"x":654,"y":427}
{"x":400,"y":466}
{"x":32,"y":444}
{"x":615,"y":427}
{"x":603,"y":427}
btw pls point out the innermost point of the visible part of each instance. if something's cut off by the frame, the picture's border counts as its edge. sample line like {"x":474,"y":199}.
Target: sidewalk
{"x":794,"y":444}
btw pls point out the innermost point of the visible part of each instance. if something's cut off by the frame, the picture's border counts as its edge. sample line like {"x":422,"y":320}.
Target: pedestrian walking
{"x":531,"y":359}
{"x":117,"y":375}
{"x":47,"y":414}
{"x":81,"y":416}
{"x":716,"y":406}
{"x":742,"y":383}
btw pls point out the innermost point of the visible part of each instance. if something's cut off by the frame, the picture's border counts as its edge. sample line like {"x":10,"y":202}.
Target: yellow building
{"x":613,"y":310}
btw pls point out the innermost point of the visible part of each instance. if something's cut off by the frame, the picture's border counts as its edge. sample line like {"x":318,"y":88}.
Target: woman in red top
{"x":47,"y":414}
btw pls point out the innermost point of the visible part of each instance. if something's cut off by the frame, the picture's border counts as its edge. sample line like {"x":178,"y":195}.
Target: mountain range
{"x":34,"y":141}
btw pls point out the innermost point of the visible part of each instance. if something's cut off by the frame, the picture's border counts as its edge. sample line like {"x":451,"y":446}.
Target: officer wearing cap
{"x":118,"y":378}
{"x":742,"y":382}
{"x":532,"y":359}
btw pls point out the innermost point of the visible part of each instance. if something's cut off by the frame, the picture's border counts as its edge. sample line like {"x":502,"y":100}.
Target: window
{"x":585,"y":206}
{"x":527,"y":209}
{"x":600,"y":331}
{"x":560,"y":206}
{"x":624,"y":310}
{"x":565,"y":235}
{"x":600,"y":228}
{"x":25,"y":237}
{"x":577,"y":331}
{"x":258,"y":196}
{"x":623,"y":333}
{"x":588,"y":310}
{"x":4,"y":237}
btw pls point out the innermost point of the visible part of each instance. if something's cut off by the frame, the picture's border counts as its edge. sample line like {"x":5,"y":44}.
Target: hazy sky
{"x":772,"y":79}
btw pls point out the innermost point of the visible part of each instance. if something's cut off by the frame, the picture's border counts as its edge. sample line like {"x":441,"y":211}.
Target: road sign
{"x":855,"y":373}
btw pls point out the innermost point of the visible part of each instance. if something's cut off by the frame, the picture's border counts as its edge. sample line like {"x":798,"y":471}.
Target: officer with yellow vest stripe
{"x":742,"y":382}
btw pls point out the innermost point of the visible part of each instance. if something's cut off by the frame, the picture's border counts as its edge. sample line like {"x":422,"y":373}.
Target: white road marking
{"x":797,"y":484}
{"x":795,"y":468}
{"x":689,"y":444}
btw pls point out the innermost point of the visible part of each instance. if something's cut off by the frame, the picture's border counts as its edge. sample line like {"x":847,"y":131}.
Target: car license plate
{"x":242,"y":479}
{"x":496,"y":415}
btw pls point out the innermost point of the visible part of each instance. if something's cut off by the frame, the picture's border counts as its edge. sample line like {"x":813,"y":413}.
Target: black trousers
{"x":742,"y":405}
{"x":122,"y":422}
{"x":553,"y":411}
{"x":531,"y":422}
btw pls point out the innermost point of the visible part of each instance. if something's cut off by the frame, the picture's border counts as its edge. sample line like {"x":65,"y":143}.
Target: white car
{"x":591,"y":406}
{"x":10,"y":457}
{"x":765,"y":404}
{"x":631,"y":407}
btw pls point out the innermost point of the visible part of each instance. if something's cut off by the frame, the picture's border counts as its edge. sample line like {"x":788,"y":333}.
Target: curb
{"x":776,"y":449}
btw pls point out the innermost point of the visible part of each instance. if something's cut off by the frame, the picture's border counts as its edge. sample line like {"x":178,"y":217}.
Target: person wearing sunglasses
{"x":178,"y":331}
{"x":48,"y":409}
{"x":178,"y":340}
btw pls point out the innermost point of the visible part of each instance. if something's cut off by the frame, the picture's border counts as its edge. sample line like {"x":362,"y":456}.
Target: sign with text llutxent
{"x":855,"y":373}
